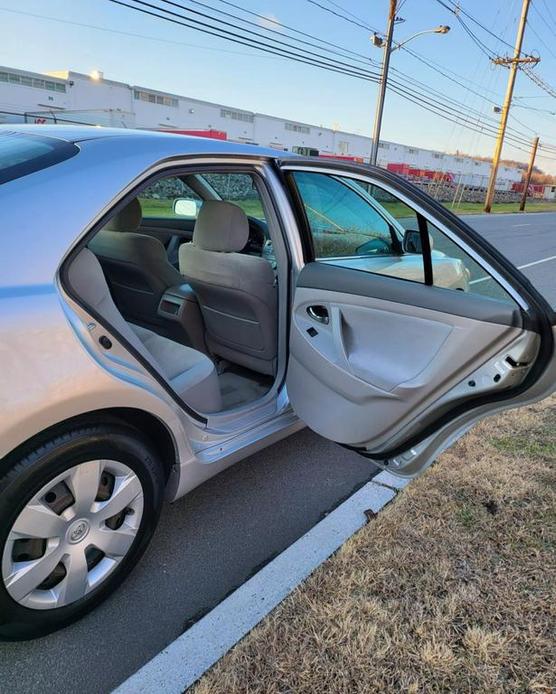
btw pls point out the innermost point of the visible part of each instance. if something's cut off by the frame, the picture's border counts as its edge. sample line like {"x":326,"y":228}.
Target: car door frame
{"x":537,"y":315}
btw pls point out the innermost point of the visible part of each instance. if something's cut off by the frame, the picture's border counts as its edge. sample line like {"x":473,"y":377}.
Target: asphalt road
{"x":212,"y":540}
{"x":524,"y":239}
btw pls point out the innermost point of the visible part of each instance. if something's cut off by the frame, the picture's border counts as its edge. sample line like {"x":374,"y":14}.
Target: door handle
{"x":319,"y":313}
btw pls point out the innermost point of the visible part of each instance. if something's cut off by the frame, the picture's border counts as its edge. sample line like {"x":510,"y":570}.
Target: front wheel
{"x":76,"y":514}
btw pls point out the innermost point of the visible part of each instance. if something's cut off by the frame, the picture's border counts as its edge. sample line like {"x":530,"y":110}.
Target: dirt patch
{"x":451,"y":588}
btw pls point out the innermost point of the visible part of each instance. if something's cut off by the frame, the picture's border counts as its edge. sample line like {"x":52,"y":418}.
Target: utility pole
{"x":513,"y":63}
{"x":529,"y":172}
{"x":383,"y":81}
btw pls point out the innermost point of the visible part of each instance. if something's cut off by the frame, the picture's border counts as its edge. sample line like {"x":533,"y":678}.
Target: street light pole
{"x":383,"y":80}
{"x":386,"y":43}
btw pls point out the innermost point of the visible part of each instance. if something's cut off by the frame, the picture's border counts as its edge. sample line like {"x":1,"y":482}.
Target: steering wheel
{"x":257,"y":237}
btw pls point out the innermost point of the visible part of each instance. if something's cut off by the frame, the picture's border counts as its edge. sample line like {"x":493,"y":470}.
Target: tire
{"x":125,"y":468}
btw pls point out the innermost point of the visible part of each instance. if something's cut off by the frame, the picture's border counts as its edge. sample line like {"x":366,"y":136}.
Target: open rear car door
{"x":407,"y":327}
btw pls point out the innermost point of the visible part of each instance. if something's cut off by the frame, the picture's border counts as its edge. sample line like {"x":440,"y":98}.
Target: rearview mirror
{"x":183,"y":207}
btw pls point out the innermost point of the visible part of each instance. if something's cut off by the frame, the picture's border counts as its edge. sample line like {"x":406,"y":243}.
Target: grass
{"x":151,"y":207}
{"x":452,"y":588}
{"x":252,"y":207}
{"x":400,"y":210}
{"x":500,"y":207}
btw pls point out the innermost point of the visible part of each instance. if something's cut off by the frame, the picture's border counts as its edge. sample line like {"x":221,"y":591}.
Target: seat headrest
{"x":127,"y":219}
{"x":221,"y":226}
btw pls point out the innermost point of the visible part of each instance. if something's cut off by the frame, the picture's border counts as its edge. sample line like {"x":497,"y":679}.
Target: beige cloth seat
{"x":190,"y":373}
{"x":237,"y":293}
{"x":135,"y":265}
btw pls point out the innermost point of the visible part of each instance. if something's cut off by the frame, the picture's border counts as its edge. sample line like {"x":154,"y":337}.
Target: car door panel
{"x":379,"y":363}
{"x":399,"y":368}
{"x":319,"y":275}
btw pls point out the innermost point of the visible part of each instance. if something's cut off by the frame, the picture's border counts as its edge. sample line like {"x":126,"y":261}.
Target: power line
{"x":538,"y":80}
{"x":351,"y":14}
{"x":421,"y":99}
{"x":290,"y":28}
{"x":126,"y":33}
{"x":549,"y":12}
{"x":540,"y":38}
{"x":268,"y":29}
{"x":342,"y":16}
{"x":432,"y":105}
{"x":458,"y":10}
{"x":484,"y":49}
{"x":204,"y":15}
{"x":264,"y":46}
{"x":480,"y":45}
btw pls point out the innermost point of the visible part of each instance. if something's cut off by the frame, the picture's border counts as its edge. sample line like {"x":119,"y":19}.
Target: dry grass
{"x":451,"y":588}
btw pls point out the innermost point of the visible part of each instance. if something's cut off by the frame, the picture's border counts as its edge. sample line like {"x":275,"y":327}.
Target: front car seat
{"x":190,"y":373}
{"x":237,"y":293}
{"x":136,"y":266}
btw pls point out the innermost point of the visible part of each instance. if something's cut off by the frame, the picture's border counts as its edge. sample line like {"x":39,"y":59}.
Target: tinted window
{"x":361,"y":226}
{"x":22,"y":154}
{"x":238,"y":188}
{"x":168,"y":197}
{"x":342,"y":220}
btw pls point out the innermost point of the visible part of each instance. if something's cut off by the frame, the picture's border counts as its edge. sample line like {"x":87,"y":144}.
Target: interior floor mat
{"x":240,"y":386}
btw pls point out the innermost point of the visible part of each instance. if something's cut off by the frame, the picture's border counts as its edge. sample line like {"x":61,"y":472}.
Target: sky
{"x":86,"y":35}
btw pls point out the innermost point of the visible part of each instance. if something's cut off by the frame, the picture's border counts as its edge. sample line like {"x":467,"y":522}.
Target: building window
{"x":383,"y":145}
{"x":459,"y":160}
{"x":151,"y":98}
{"x":412,"y":151}
{"x":343,"y":147}
{"x":296,"y":128}
{"x":437,"y":155}
{"x":236,"y":115}
{"x":26,"y":81}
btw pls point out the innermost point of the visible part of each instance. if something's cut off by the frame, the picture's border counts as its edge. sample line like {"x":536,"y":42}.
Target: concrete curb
{"x":181,"y":663}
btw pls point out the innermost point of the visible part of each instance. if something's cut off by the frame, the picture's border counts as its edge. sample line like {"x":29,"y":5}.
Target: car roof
{"x":184,"y":144}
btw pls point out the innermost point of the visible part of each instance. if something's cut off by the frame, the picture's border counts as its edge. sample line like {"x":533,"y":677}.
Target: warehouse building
{"x":69,"y":96}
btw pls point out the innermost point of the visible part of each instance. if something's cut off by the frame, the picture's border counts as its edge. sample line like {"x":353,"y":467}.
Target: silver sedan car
{"x":169,"y":305}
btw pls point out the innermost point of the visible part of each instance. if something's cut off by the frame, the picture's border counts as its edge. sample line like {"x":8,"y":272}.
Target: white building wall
{"x":107,"y":102}
{"x":17,"y":97}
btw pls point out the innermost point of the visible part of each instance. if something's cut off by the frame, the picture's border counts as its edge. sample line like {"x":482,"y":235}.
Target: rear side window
{"x":22,"y":154}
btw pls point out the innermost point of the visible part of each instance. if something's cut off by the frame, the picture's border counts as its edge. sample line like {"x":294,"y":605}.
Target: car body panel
{"x":55,"y":368}
{"x":336,"y":375}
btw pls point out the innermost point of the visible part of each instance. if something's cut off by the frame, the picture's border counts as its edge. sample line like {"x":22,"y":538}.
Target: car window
{"x":238,"y":188}
{"x":365,"y":227}
{"x":342,"y":220}
{"x":22,"y":154}
{"x":169,"y":197}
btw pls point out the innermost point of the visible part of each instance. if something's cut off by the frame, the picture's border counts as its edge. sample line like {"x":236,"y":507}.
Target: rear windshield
{"x":22,"y":154}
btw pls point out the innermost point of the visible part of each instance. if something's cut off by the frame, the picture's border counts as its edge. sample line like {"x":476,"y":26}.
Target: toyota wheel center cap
{"x":78,"y":531}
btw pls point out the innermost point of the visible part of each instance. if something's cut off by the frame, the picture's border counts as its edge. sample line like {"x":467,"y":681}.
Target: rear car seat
{"x":191,"y":373}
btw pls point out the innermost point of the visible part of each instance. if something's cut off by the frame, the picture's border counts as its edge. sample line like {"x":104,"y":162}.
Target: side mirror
{"x":412,"y":242}
{"x":183,"y":207}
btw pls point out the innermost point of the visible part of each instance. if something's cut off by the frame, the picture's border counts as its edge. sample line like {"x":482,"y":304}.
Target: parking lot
{"x":209,"y":542}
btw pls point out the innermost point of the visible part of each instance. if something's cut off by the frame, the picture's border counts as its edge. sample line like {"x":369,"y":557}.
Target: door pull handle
{"x":319,"y":313}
